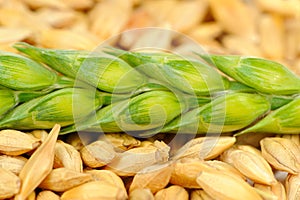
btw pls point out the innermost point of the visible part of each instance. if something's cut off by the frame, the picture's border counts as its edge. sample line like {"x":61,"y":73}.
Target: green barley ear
{"x":285,"y":119}
{"x":7,"y":101}
{"x":190,"y":76}
{"x":21,"y":73}
{"x":227,"y":113}
{"x":60,"y":106}
{"x":263,"y":75}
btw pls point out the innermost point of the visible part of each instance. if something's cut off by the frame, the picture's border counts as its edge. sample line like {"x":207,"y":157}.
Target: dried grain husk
{"x":38,"y":166}
{"x":206,"y":31}
{"x":292,"y":185}
{"x":40,"y":134}
{"x":264,"y":191}
{"x":9,"y":184}
{"x":241,"y":45}
{"x":15,"y":143}
{"x":283,"y":154}
{"x":279,"y":190}
{"x":7,"y":47}
{"x":265,"y":194}
{"x":12,"y":163}
{"x":8,"y":35}
{"x":138,"y":19}
{"x":47,"y":195}
{"x":80,"y":24}
{"x":174,"y":192}
{"x":134,"y":160}
{"x":222,"y":186}
{"x":155,"y":178}
{"x":119,"y":12}
{"x":248,"y":148}
{"x":146,"y":143}
{"x":67,"y":156}
{"x":63,"y":179}
{"x":32,"y":196}
{"x":79,"y":4}
{"x":292,"y":37}
{"x":200,"y":195}
{"x":244,"y":21}
{"x":95,"y":190}
{"x":225,"y":167}
{"x":153,"y":7}
{"x":141,"y":194}
{"x":275,"y":191}
{"x":15,"y":4}
{"x":64,"y":39}
{"x":98,"y":154}
{"x":286,"y":8}
{"x":76,"y":141}
{"x":252,"y":139}
{"x":186,"y":171}
{"x":294,"y":137}
{"x":107,"y":176}
{"x":14,"y":18}
{"x":122,"y":141}
{"x":250,"y":163}
{"x":56,"y":18}
{"x":185,"y":15}
{"x":34,"y":4}
{"x":272,"y":35}
{"x":205,"y":147}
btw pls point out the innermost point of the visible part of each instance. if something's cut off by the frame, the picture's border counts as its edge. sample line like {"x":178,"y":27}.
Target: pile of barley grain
{"x":118,"y":166}
{"x":253,"y":27}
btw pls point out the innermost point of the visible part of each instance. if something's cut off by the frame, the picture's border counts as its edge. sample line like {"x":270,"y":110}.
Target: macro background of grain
{"x":247,"y":27}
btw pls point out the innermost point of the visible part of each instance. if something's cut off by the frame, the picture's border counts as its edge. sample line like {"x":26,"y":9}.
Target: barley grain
{"x":98,"y":154}
{"x":12,"y":163}
{"x":67,"y":156}
{"x":16,"y":143}
{"x":38,"y":166}
{"x":63,"y":179}
{"x":47,"y":195}
{"x":95,"y":190}
{"x":9,"y":184}
{"x":173,"y":192}
{"x":141,"y":194}
{"x":155,"y":178}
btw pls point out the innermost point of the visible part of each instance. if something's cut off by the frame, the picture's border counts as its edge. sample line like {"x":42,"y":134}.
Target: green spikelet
{"x":61,"y":106}
{"x":21,"y":73}
{"x":227,"y":113}
{"x":263,"y":75}
{"x":285,"y":119}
